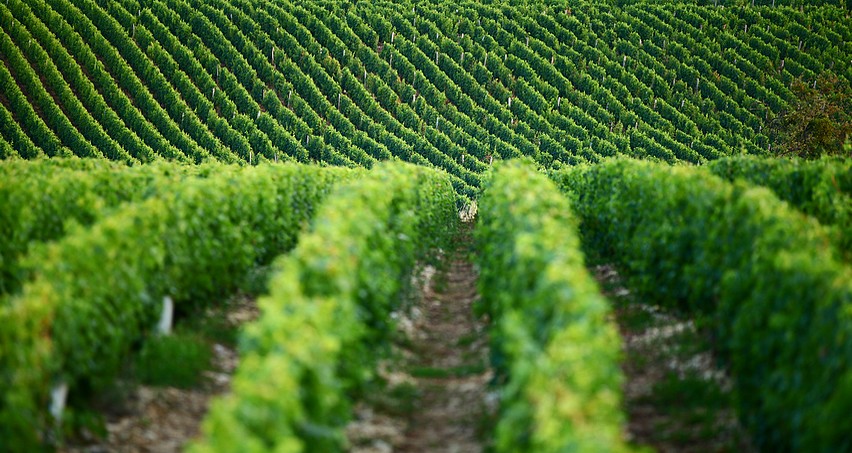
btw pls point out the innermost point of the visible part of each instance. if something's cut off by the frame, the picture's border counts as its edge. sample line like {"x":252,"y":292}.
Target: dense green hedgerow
{"x":40,"y":199}
{"x":821,"y":188}
{"x":557,"y":350}
{"x":763,"y":276}
{"x":328,"y":313}
{"x":97,"y":291}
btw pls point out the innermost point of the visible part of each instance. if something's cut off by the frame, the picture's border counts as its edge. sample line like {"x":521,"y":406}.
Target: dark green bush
{"x":173,"y":361}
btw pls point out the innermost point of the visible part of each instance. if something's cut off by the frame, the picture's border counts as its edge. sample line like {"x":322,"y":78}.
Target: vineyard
{"x":240,"y":225}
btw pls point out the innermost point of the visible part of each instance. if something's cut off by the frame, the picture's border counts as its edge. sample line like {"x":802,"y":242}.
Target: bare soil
{"x":677,"y":398}
{"x":440,"y":373}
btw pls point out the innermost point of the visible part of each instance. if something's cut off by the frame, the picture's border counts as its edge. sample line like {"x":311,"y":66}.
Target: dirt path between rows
{"x":677,"y":399}
{"x":443,"y":365}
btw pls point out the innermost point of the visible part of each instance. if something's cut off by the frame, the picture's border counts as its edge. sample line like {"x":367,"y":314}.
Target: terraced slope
{"x":447,"y":85}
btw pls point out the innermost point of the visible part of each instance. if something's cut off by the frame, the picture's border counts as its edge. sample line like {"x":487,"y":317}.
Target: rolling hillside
{"x":451,"y":86}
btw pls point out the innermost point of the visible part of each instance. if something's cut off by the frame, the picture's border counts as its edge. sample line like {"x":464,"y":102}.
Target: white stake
{"x":164,"y":325}
{"x":58,"y":395}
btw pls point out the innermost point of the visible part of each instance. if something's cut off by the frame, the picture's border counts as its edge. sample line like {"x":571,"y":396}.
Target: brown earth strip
{"x":677,"y":398}
{"x":440,"y":374}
